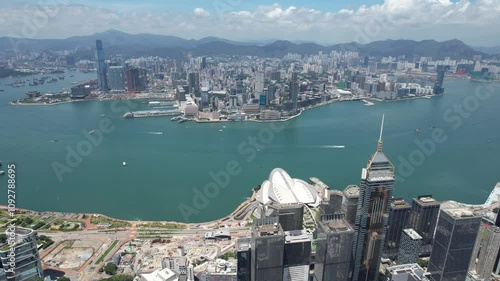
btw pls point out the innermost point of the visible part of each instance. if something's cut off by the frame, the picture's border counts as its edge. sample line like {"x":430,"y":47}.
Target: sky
{"x":475,"y":22}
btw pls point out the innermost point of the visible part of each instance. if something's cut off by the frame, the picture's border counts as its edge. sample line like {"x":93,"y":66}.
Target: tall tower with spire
{"x":377,"y":185}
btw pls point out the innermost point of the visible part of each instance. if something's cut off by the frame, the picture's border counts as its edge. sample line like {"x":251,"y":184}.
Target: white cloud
{"x":201,"y":12}
{"x":411,"y":19}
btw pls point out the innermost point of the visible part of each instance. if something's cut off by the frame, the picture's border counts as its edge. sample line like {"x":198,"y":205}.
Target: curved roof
{"x":281,"y":188}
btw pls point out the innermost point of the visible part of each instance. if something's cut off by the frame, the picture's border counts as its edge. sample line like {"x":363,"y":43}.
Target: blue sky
{"x":321,"y":21}
{"x":189,"y":5}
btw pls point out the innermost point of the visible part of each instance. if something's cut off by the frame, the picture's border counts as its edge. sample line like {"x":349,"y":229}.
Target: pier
{"x":152,"y":113}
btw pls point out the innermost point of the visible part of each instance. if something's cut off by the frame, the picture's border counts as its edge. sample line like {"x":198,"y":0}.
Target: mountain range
{"x":117,"y":42}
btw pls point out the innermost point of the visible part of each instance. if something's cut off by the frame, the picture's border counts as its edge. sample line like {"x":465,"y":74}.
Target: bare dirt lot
{"x":72,"y":254}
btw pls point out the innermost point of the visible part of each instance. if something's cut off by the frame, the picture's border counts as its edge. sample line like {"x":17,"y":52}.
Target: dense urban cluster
{"x":289,"y":229}
{"x":237,"y":88}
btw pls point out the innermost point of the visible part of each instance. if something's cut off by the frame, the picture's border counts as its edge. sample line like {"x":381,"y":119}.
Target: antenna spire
{"x":379,"y":146}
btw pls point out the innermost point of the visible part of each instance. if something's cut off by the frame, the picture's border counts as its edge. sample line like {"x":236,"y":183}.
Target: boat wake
{"x":333,"y":146}
{"x":324,"y":146}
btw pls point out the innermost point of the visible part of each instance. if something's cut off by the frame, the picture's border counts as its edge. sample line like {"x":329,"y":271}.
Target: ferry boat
{"x":128,"y":115}
{"x":183,"y":119}
{"x":151,"y":113}
{"x":160,"y":103}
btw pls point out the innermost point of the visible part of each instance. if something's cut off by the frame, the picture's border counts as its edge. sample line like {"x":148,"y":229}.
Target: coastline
{"x":42,"y":104}
{"x":138,"y":222}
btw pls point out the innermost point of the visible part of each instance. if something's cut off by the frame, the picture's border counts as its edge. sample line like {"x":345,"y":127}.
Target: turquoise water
{"x":163,"y":169}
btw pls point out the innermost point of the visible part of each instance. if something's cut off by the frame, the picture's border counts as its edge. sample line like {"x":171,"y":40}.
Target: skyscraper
{"x":136,"y":79}
{"x":271,"y":91}
{"x":333,"y":250}
{"x":423,"y":218}
{"x":399,"y":213}
{"x":276,"y":76}
{"x":203,"y":62}
{"x":290,"y":216}
{"x":133,"y":81}
{"x":268,"y":242}
{"x":297,"y":255}
{"x":377,"y":185}
{"x":497,"y":221}
{"x":496,"y":267}
{"x":243,"y":255}
{"x":453,"y":244}
{"x":116,"y":78}
{"x":259,"y":83}
{"x":409,"y":246}
{"x":438,"y":86}
{"x":485,"y":253}
{"x":333,"y":204}
{"x":294,"y":94}
{"x":350,"y":203}
{"x":194,"y":82}
{"x":101,"y":66}
{"x":28,"y":266}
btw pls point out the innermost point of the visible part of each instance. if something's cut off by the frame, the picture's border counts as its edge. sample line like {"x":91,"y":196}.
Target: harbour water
{"x":169,"y":162}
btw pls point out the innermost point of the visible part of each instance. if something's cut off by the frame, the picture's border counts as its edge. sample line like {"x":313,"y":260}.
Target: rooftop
{"x":426,"y":200}
{"x":243,"y":244}
{"x":296,"y":236}
{"x":276,"y":205}
{"x":460,"y":213}
{"x":268,"y":230}
{"x":336,"y":226}
{"x":412,"y":233}
{"x":412,"y":269}
{"x":399,"y":203}
{"x":351,"y":191}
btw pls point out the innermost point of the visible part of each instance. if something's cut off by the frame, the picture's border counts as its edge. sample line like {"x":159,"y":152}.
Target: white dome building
{"x":282,"y":189}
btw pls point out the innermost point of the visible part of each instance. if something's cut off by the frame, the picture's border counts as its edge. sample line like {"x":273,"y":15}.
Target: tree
{"x":110,"y":268}
{"x":3,"y":238}
{"x":120,"y":277}
{"x":63,"y":278}
{"x":423,"y":263}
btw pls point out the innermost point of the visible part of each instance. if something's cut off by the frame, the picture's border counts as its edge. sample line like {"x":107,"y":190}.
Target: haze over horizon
{"x":323,"y":22}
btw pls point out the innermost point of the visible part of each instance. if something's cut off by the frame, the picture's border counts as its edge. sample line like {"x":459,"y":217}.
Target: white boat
{"x":2,"y":173}
{"x":161,"y":103}
{"x":91,"y":132}
{"x":124,"y":164}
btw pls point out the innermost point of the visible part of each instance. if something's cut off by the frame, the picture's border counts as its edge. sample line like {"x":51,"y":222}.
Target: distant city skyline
{"x":324,"y":22}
